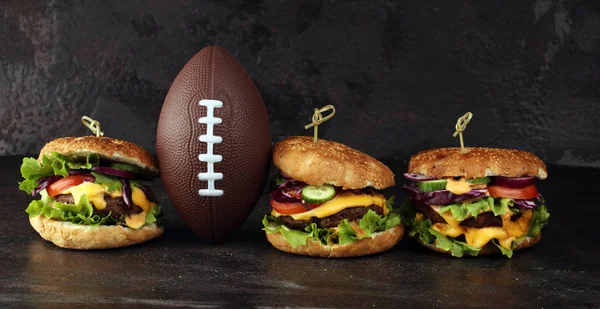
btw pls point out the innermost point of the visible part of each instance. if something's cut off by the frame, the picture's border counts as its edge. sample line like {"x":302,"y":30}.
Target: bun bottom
{"x":75,"y":236}
{"x":490,"y":249}
{"x":379,"y":242}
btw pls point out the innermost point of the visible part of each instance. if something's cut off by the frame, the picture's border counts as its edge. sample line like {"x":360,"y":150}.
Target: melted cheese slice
{"x":139,"y":199}
{"x":136,"y":221}
{"x":340,"y":202}
{"x":457,"y":187}
{"x":479,"y":237}
{"x":93,"y":191}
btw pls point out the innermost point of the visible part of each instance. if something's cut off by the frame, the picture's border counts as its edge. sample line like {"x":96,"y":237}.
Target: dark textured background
{"x":398,"y":72}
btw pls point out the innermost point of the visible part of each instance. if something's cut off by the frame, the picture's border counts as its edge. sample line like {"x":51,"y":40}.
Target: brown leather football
{"x":213,"y":143}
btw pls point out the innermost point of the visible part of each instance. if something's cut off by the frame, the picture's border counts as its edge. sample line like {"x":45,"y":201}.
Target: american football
{"x":213,"y":144}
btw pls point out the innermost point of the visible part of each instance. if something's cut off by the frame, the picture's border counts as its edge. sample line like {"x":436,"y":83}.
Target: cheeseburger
{"x":91,"y":194}
{"x":478,"y":202}
{"x":328,"y":201}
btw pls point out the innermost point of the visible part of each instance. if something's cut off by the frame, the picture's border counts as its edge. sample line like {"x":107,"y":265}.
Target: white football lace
{"x":209,"y":158}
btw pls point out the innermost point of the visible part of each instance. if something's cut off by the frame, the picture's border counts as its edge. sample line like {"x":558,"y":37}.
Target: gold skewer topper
{"x":461,"y":125}
{"x":317,"y":119}
{"x":93,"y":125}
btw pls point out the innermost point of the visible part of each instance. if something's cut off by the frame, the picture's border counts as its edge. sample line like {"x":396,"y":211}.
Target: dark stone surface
{"x":178,"y":270}
{"x":399,"y":72}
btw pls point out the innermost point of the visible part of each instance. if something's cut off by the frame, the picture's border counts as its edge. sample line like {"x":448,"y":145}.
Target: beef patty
{"x":115,"y":206}
{"x":486,"y":219}
{"x":352,"y":214}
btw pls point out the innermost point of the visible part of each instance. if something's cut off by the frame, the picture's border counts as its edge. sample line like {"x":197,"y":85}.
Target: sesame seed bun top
{"x":328,"y":162}
{"x":477,"y":162}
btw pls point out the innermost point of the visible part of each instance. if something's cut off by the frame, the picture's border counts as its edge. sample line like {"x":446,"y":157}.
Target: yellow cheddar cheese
{"x":136,"y":221}
{"x":342,"y":201}
{"x":139,"y":199}
{"x":93,"y":191}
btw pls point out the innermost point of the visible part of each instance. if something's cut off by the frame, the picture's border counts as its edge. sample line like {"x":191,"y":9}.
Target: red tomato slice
{"x":287,"y":208}
{"x":63,"y":184}
{"x":524,"y":193}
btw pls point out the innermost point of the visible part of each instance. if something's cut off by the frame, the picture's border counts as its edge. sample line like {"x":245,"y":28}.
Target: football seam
{"x":209,"y":157}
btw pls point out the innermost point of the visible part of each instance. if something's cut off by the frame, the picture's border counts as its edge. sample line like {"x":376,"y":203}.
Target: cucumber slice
{"x":479,"y":181}
{"x":432,"y":185}
{"x":318,"y":194}
{"x":126,"y":167}
{"x":440,"y":184}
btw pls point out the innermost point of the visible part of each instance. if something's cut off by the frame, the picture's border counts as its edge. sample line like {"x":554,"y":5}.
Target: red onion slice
{"x":418,"y":177}
{"x":115,"y":172}
{"x":127,"y":192}
{"x":44,"y":182}
{"x":512,"y":182}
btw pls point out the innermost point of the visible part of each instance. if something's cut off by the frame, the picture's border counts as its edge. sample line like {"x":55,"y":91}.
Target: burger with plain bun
{"x":91,"y":194}
{"x":480,"y":201}
{"x":328,"y":201}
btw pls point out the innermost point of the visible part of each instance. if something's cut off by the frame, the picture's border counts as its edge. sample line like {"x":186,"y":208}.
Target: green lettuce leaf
{"x":389,"y":203}
{"x":458,"y":210}
{"x":154,"y":215}
{"x":80,"y":213}
{"x":455,"y":247}
{"x":461,"y":211}
{"x":35,"y":208}
{"x":112,"y":183}
{"x":500,"y":206}
{"x":321,"y":234}
{"x":420,"y":228}
{"x":346,"y":233}
{"x":538,"y":220}
{"x":268,"y":227}
{"x":504,"y":251}
{"x":370,"y":222}
{"x":393,"y":217}
{"x":294,"y":237}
